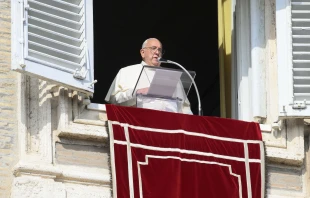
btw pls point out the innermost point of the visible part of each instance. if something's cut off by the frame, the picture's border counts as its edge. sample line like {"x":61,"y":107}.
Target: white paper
{"x":164,"y":82}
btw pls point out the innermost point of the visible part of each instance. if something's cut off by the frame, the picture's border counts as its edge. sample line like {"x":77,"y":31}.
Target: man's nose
{"x":157,"y":51}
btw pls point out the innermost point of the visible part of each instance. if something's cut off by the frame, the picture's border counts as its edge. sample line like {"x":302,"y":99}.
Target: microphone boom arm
{"x":198,"y":97}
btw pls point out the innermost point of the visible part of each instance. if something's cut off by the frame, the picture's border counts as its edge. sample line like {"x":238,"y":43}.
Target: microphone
{"x":161,"y":60}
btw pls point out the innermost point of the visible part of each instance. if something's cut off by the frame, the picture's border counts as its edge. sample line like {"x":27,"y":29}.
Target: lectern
{"x":167,"y":88}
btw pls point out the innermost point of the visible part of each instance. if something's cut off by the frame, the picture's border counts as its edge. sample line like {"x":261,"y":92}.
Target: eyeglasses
{"x":154,"y":48}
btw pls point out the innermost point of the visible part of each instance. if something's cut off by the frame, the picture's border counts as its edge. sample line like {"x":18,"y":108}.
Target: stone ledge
{"x":35,"y":169}
{"x":97,"y":107}
{"x":93,"y":114}
{"x":61,"y":174}
{"x":283,"y":157}
{"x":90,"y":122}
{"x":85,"y":132}
{"x":265,"y":127}
{"x":284,"y":194}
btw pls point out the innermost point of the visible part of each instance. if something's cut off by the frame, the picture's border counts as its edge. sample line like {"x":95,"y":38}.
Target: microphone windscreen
{"x":160,"y":59}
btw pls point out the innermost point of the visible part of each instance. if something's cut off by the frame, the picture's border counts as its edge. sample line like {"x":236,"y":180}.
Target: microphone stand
{"x":198,"y":97}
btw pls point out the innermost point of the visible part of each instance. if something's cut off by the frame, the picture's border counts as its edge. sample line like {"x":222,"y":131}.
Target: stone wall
{"x":62,"y":154}
{"x":8,"y":103}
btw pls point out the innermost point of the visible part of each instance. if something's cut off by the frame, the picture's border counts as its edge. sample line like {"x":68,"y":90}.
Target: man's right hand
{"x":143,"y":90}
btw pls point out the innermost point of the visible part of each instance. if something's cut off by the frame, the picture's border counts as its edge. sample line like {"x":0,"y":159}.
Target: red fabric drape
{"x":157,"y":154}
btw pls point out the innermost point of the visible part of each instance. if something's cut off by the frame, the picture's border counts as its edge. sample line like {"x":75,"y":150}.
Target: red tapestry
{"x":157,"y":154}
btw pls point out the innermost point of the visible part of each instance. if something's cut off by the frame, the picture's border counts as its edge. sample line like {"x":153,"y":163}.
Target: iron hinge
{"x":300,"y":105}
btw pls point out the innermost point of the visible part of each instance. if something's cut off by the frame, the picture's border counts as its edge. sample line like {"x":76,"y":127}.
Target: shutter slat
{"x":62,"y":5}
{"x":300,"y":0}
{"x":55,"y":44}
{"x":301,"y":48}
{"x":56,"y":53}
{"x":57,"y":36}
{"x":55,"y":19}
{"x":300,"y":3}
{"x":302,"y":95}
{"x":301,"y":31}
{"x":55,"y":11}
{"x":302,"y":90}
{"x":53,"y":60}
{"x":301,"y":39}
{"x":74,"y":2}
{"x":301,"y":55}
{"x":302,"y":80}
{"x":300,"y":6}
{"x":54,"y":27}
{"x":301,"y":23}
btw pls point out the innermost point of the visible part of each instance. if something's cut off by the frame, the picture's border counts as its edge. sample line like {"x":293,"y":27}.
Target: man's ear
{"x":142,"y":53}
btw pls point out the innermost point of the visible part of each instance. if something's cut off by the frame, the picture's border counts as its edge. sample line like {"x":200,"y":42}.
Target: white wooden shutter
{"x":301,"y":50}
{"x":293,"y":48}
{"x":53,"y":39}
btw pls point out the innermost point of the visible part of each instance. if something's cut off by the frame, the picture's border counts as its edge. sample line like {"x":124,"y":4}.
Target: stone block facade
{"x":8,"y":104}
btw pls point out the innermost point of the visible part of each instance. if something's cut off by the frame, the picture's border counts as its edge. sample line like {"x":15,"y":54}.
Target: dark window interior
{"x":188,"y":31}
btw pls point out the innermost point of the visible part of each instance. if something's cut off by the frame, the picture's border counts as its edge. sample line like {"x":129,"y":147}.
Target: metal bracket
{"x":22,"y":65}
{"x":277,"y":125}
{"x":81,"y":74}
{"x":91,"y":86}
{"x":299,"y":105}
{"x":27,"y":7}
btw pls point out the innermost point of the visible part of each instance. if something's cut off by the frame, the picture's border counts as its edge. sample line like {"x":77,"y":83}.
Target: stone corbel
{"x":54,"y":172}
{"x":288,"y":145}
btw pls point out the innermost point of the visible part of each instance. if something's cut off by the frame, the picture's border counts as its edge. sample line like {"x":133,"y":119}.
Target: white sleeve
{"x":120,"y":93}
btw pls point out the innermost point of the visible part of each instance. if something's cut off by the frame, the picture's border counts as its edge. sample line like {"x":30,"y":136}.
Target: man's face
{"x":151,"y":52}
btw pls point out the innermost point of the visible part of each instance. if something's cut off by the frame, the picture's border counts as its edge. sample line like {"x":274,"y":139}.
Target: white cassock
{"x":122,"y":90}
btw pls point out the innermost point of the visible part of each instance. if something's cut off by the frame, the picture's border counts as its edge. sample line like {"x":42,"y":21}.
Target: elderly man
{"x":122,"y":88}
